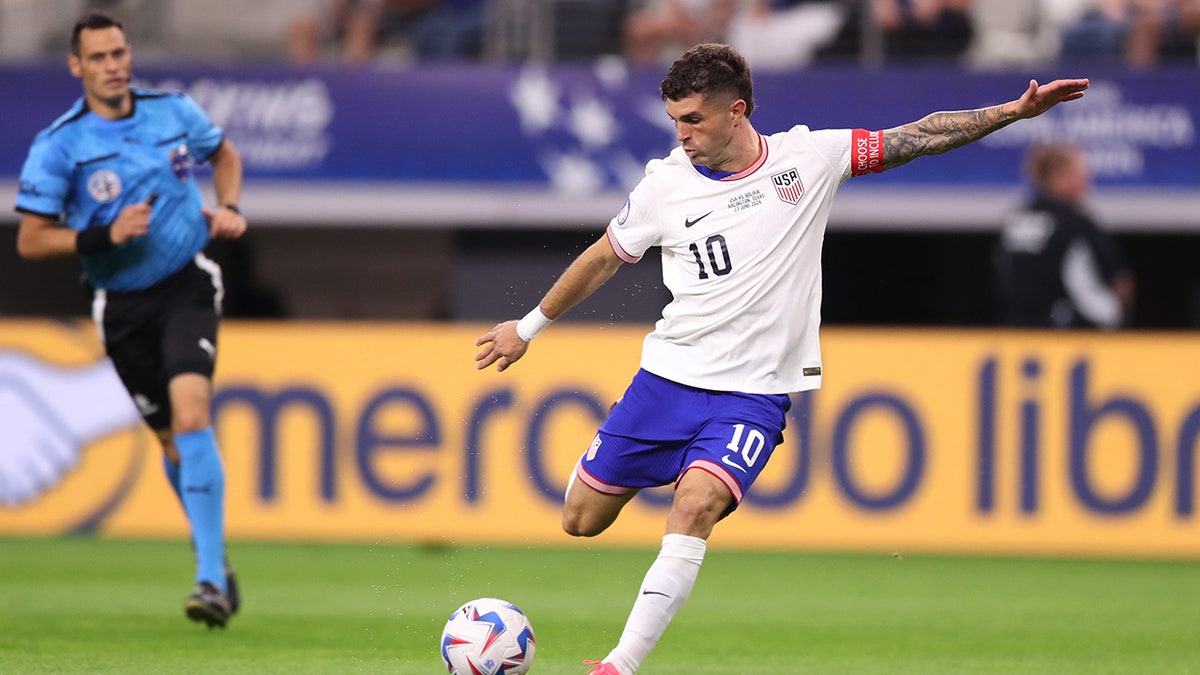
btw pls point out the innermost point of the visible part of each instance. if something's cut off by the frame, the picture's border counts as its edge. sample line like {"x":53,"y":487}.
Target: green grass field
{"x":98,"y":606}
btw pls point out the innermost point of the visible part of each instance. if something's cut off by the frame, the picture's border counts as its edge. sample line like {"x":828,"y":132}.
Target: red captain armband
{"x":866,"y":152}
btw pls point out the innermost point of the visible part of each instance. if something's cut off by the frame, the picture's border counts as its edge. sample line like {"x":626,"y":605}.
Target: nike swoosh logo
{"x":208,"y":348}
{"x":688,"y":222}
{"x":725,"y":460}
{"x":655,"y":593}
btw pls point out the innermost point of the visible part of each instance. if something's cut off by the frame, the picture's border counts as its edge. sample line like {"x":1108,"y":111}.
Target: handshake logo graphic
{"x":48,"y":415}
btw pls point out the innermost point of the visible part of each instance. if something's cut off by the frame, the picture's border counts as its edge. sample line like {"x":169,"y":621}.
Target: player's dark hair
{"x":711,"y":70}
{"x":93,"y":20}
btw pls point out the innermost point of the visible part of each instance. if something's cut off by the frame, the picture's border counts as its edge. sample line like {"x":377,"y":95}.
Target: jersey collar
{"x":726,"y":176}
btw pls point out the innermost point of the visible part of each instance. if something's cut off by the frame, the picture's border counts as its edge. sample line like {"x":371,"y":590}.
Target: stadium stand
{"x":427,"y":244}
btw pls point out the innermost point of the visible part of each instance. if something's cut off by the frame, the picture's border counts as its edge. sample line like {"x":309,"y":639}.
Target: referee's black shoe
{"x":208,"y":604}
{"x":231,"y":589}
{"x":231,"y":584}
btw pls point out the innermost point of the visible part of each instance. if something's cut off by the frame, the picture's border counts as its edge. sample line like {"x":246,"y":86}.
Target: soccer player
{"x":1055,"y":268}
{"x":740,"y":218}
{"x":117,"y":170}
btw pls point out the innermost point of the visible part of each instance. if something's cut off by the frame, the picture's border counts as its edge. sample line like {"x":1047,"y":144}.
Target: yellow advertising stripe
{"x":981,"y":441}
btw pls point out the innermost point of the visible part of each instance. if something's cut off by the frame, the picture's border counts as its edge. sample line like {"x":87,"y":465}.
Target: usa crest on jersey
{"x":788,"y":185}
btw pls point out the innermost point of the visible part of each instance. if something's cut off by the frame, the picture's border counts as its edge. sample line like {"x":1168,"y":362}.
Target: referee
{"x":111,"y":181}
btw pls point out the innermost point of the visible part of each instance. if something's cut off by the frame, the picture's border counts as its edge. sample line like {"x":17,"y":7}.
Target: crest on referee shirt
{"x":104,"y":185}
{"x":788,"y":185}
{"x":181,"y":163}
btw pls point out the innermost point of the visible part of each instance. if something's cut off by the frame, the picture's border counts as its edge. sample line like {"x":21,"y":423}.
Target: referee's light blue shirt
{"x":86,"y":169}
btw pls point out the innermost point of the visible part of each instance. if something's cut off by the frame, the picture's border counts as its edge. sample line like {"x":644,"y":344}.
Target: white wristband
{"x":533,"y":323}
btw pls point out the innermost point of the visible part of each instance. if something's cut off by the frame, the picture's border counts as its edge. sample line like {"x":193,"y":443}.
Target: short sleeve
{"x":203,"y":136}
{"x":636,"y":227}
{"x":851,"y":152}
{"x":45,"y":179}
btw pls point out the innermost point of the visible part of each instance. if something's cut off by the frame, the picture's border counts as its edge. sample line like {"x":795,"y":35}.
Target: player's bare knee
{"x":576,"y":524}
{"x":575,"y":528}
{"x":184,"y":422}
{"x":695,"y":513}
{"x":572,"y":528}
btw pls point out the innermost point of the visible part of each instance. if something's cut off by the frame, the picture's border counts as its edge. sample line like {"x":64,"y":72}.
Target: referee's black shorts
{"x":156,"y":333}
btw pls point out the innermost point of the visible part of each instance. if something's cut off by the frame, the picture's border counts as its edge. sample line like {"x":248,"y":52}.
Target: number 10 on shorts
{"x":746,"y":450}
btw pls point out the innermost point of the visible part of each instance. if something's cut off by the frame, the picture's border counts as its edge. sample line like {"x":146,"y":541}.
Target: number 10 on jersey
{"x":718,"y":256}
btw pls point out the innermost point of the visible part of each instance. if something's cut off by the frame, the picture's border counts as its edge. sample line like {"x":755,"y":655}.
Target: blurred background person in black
{"x":1055,"y":267}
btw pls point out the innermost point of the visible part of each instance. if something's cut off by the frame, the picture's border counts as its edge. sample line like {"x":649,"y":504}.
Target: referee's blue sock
{"x":202,"y":479}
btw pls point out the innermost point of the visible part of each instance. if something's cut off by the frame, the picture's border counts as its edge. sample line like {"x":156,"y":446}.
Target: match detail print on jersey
{"x":866,"y":148}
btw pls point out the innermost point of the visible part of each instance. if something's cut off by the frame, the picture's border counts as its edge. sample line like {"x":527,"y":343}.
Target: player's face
{"x":105,"y":66}
{"x":705,"y":130}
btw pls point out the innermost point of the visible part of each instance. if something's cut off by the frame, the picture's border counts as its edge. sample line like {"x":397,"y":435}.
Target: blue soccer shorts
{"x":660,"y":429}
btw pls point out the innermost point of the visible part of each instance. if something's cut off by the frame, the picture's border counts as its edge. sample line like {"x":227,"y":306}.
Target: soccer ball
{"x":488,"y":636}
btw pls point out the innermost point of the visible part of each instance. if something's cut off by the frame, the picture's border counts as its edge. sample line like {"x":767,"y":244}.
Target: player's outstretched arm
{"x":503,"y":346}
{"x":943,"y":131}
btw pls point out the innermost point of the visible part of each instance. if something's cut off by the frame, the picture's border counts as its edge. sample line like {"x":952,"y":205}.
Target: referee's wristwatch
{"x":232,"y":207}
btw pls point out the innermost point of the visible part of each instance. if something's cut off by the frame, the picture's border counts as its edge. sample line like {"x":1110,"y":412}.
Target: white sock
{"x":666,"y":587}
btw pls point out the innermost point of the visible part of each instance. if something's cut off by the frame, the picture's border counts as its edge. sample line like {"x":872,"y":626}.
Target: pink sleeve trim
{"x":624,"y":255}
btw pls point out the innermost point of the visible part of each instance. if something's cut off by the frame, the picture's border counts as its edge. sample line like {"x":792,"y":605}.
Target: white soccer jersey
{"x":742,"y":259}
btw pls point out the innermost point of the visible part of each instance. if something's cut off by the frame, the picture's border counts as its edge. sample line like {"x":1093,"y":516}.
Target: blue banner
{"x":590,"y":128}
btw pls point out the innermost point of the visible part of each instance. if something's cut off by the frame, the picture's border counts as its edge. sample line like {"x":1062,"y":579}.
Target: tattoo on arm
{"x":940,"y":132}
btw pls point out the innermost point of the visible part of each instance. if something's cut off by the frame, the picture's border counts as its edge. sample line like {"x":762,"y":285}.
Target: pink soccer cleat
{"x":601,"y":668}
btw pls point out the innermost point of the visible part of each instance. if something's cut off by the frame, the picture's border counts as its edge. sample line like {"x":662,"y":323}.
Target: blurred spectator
{"x":780,"y":34}
{"x":1099,"y":32}
{"x":143,"y":29}
{"x":1136,"y":32}
{"x":1163,"y":30}
{"x":1010,"y":33}
{"x":1054,"y":267}
{"x":428,"y":30}
{"x":585,"y":29}
{"x":657,"y":31}
{"x":905,"y":29}
{"x":924,"y":28}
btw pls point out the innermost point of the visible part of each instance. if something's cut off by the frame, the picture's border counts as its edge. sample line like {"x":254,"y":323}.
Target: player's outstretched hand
{"x":224,"y":223}
{"x":501,"y":346}
{"x":1038,"y":99}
